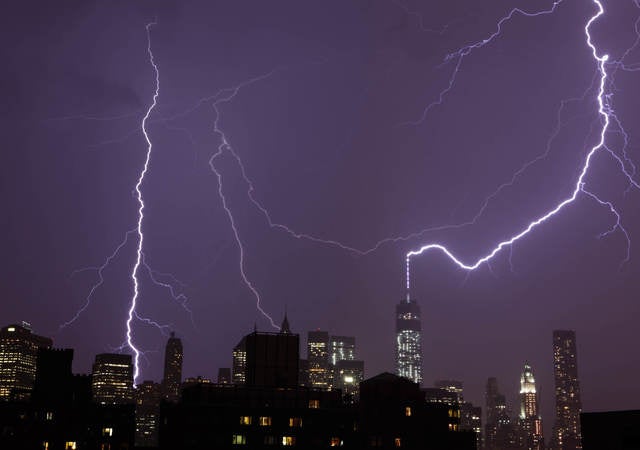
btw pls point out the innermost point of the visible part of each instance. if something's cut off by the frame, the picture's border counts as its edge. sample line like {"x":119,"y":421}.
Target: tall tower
{"x":112,"y":379}
{"x":530,"y":419}
{"x":409,"y":340}
{"x":566,"y":432}
{"x":318,"y":359}
{"x":342,"y":348}
{"x":18,"y":354}
{"x":172,"y":369}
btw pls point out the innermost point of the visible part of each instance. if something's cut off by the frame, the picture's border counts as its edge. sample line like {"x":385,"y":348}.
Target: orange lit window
{"x":314,"y":404}
{"x":107,"y":431}
{"x":264,"y":421}
{"x":335,"y":442}
{"x":407,"y":411}
{"x":397,"y":442}
{"x":245,"y":420}
{"x":45,"y":445}
{"x":70,"y":445}
{"x":295,"y":421}
{"x":288,"y":441}
{"x":239,"y":439}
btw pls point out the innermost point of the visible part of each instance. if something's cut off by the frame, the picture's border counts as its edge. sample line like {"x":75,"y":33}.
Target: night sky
{"x":333,"y":137}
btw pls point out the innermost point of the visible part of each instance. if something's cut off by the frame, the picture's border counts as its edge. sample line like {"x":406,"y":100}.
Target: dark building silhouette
{"x":501,"y":433}
{"x":393,"y":413}
{"x":318,"y":359}
{"x":348,"y":374}
{"x":112,"y":379}
{"x":172,"y":368}
{"x":566,"y":431}
{"x":148,"y":396}
{"x":471,"y":420}
{"x":61,"y":415}
{"x":610,"y":430}
{"x":18,"y":353}
{"x":272,"y":358}
{"x":303,"y":372}
{"x":409,"y":340}
{"x":224,"y":375}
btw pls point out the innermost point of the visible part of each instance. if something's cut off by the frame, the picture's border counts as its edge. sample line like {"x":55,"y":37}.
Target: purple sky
{"x":325,"y":141}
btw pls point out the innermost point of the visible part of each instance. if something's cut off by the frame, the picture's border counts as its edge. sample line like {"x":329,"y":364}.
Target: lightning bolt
{"x":605,"y":112}
{"x":138,"y":187}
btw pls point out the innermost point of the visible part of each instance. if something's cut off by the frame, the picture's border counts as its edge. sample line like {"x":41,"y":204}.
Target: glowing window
{"x":245,"y":420}
{"x":107,"y":431}
{"x":288,"y":441}
{"x":407,"y":411}
{"x":11,"y":329}
{"x":45,"y":445}
{"x":314,"y":404}
{"x":264,"y":421}
{"x":49,"y":415}
{"x":239,"y":439}
{"x":397,"y":442}
{"x":295,"y":421}
{"x":70,"y":445}
{"x":335,"y":442}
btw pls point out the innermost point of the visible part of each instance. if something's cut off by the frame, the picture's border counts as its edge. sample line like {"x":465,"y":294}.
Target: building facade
{"x":566,"y":431}
{"x":18,"y":355}
{"x":172,"y":369}
{"x":239,"y":365}
{"x":530,"y":420}
{"x":409,"y":340}
{"x":318,"y":360}
{"x":342,"y":348}
{"x":148,"y":396}
{"x":348,"y":374}
{"x":112,"y":379}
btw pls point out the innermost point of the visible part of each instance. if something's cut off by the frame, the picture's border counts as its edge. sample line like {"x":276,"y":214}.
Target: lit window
{"x":397,"y":442}
{"x":314,"y":404}
{"x":407,"y":411}
{"x":49,"y":415}
{"x":295,"y":421}
{"x":45,"y":445}
{"x":288,"y":441}
{"x":11,"y":329}
{"x":264,"y":421}
{"x":70,"y":445}
{"x":335,"y":442}
{"x":245,"y":420}
{"x":239,"y":439}
{"x":107,"y":431}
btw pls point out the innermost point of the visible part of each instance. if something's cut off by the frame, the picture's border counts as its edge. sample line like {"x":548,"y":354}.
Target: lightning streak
{"x":139,"y":255}
{"x":604,"y":111}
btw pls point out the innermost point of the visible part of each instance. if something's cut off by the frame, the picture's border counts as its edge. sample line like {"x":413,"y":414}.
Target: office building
{"x":342,"y":348}
{"x":272,"y":358}
{"x":501,"y":433}
{"x":318,"y":359}
{"x":172,"y":369}
{"x":566,"y":431}
{"x":348,"y":374}
{"x":112,"y":379}
{"x":409,"y":340}
{"x":224,"y":375}
{"x":530,"y":420}
{"x":18,"y":355}
{"x":148,"y":396}
{"x":239,"y":365}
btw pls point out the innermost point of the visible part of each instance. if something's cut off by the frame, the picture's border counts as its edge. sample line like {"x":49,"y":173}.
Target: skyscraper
{"x":239,"y":366}
{"x":18,"y":356}
{"x":566,"y":432}
{"x":348,"y":374}
{"x":318,"y":358}
{"x":342,"y":348}
{"x":148,"y":396}
{"x":172,"y":369}
{"x":408,"y":340}
{"x":530,"y":420}
{"x":112,"y":379}
{"x":500,"y":431}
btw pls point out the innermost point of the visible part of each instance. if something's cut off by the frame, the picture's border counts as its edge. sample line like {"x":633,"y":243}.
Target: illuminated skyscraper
{"x":112,"y":379}
{"x":342,"y":348}
{"x":172,"y":369}
{"x":18,"y":356}
{"x":530,"y":420}
{"x":148,"y":395}
{"x":318,"y":358}
{"x":408,"y":340}
{"x":239,"y":366}
{"x":566,"y":432}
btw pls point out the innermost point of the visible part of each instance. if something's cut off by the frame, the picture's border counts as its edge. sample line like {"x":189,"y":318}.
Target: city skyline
{"x":334,"y":115}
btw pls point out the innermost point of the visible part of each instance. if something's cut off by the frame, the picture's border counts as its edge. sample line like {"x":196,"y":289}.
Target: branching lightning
{"x":605,"y":112}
